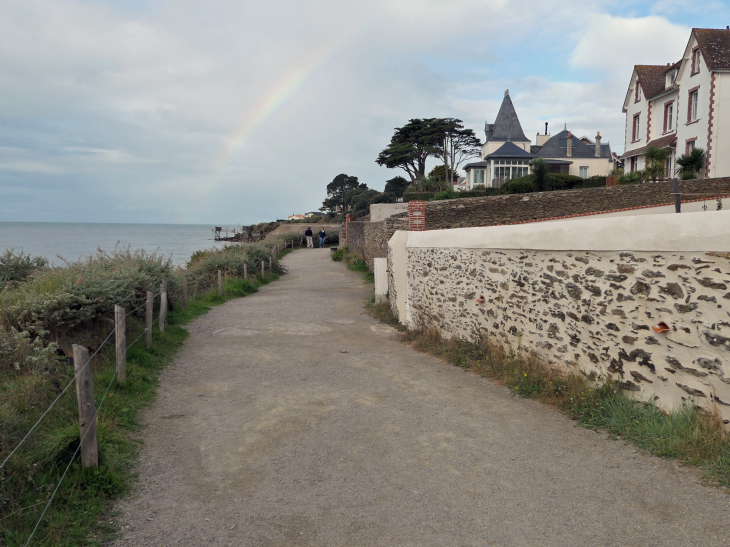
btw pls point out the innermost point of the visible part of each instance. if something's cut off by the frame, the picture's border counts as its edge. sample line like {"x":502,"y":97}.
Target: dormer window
{"x":671,"y":78}
{"x":695,"y":61}
{"x":637,"y":92}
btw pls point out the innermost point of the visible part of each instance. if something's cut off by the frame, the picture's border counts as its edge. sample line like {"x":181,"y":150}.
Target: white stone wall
{"x":588,"y":305}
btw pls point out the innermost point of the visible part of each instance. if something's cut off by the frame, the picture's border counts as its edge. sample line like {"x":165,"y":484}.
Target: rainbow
{"x":281,"y":92}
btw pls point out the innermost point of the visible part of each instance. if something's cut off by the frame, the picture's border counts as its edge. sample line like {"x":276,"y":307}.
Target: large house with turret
{"x":507,"y":153}
{"x":682,"y":105}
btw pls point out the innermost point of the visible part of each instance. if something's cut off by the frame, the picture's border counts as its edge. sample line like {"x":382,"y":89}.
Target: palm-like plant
{"x":692,"y":163}
{"x":540,"y":170}
{"x":656,"y":161}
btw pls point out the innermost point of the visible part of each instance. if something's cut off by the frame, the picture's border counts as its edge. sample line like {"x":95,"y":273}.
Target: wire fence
{"x":161,"y":298}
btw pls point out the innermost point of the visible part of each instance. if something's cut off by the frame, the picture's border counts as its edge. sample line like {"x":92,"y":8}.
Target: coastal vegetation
{"x":43,"y":311}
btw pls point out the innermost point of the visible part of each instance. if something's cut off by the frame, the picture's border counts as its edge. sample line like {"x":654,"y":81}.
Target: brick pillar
{"x":416,"y":216}
{"x":347,"y":225}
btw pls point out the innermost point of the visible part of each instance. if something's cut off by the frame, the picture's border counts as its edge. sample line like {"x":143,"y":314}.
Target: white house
{"x":507,"y":153}
{"x":683,"y":105}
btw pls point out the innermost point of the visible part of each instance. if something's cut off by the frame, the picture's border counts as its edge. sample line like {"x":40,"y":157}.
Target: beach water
{"x":72,"y":241}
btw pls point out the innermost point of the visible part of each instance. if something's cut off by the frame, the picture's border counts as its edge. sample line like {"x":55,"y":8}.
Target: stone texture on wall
{"x":369,"y":240}
{"x":507,"y":209}
{"x":591,"y":312}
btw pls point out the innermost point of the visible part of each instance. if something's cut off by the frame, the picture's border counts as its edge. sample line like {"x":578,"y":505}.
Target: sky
{"x":234,"y":112}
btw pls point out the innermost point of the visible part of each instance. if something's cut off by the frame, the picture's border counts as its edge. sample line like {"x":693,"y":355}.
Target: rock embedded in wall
{"x":597,"y":313}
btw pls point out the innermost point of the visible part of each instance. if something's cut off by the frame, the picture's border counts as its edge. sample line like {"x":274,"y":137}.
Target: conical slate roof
{"x":507,"y":125}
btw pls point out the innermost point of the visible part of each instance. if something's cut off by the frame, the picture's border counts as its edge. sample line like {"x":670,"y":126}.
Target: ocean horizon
{"x":70,"y":241}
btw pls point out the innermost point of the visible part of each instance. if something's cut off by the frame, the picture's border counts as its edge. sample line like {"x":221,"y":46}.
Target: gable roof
{"x":510,"y":150}
{"x":651,"y":78}
{"x":506,"y":126}
{"x":552,"y":148}
{"x":715,"y":47}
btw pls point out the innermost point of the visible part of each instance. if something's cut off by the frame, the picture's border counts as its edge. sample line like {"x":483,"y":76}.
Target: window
{"x":668,"y":116}
{"x":637,"y":127}
{"x":583,"y":172}
{"x":693,"y":105}
{"x":690,"y":145}
{"x":637,"y":92}
{"x":478,"y":176}
{"x":671,"y":78}
{"x":695,"y":61}
{"x":633,"y":164}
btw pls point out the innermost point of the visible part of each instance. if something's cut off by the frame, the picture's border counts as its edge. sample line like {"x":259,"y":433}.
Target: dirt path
{"x":292,"y":418}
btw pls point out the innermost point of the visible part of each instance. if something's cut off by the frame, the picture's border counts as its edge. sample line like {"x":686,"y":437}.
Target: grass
{"x":79,"y":514}
{"x":687,"y":434}
{"x":354,"y":263}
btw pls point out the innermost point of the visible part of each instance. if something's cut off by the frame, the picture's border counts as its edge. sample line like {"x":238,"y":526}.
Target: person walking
{"x":322,"y":235}
{"x":308,"y":233}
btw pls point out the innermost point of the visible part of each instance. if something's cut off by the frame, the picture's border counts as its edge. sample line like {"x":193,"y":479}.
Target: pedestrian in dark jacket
{"x":308,"y":233}
{"x":322,"y":235}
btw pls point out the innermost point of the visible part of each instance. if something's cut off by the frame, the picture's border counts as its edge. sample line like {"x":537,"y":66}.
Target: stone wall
{"x":369,"y":240}
{"x":591,"y":304}
{"x":507,"y":209}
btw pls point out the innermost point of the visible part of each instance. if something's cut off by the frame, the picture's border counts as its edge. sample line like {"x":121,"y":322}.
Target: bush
{"x":445,"y":194}
{"x":15,"y":267}
{"x":340,"y":253}
{"x":520,"y":185}
{"x":630,"y":178}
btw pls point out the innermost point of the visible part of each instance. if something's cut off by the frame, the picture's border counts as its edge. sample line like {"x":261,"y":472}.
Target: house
{"x":507,"y":153}
{"x":460,"y":185}
{"x":565,"y":153}
{"x":296,"y":217}
{"x":677,"y":106}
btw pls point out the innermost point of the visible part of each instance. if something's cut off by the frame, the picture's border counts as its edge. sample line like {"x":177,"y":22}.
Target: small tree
{"x":656,"y":162}
{"x":540,"y":170}
{"x":396,"y":186}
{"x":692,"y":163}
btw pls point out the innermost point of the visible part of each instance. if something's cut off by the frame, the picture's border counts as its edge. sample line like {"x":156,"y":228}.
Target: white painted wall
{"x":720,"y":162}
{"x":381,"y":211}
{"x":397,"y":264}
{"x":380,"y":270}
{"x":687,"y":81}
{"x":596,"y":166}
{"x":706,"y":231}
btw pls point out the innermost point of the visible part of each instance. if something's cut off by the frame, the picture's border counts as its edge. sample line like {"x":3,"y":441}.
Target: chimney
{"x":570,"y":144}
{"x":546,"y":128}
{"x":598,"y":144}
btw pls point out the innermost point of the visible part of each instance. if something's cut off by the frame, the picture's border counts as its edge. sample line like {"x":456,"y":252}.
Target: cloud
{"x":239,"y":112}
{"x":616,"y":44}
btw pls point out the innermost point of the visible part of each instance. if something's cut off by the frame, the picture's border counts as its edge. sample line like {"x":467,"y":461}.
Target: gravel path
{"x":292,"y":418}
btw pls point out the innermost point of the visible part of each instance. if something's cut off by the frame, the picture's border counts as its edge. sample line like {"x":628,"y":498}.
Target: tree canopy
{"x":338,"y":188}
{"x":455,"y":144}
{"x":396,"y":186}
{"x":410,"y":146}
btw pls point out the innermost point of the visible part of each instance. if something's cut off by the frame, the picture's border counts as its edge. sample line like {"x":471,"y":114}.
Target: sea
{"x":59,"y":241}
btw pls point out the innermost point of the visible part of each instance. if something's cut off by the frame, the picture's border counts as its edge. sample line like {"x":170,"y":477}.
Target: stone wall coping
{"x":704,"y":231}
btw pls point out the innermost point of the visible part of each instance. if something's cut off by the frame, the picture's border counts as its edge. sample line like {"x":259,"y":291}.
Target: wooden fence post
{"x":163,"y":307}
{"x":120,"y":338}
{"x":263,"y":270}
{"x":87,"y":409}
{"x":185,"y":291}
{"x":245,"y":270}
{"x":220,"y":282}
{"x":148,"y":312}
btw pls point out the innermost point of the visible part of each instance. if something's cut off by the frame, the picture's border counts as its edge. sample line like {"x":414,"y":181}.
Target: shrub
{"x":445,"y":194}
{"x":340,"y":253}
{"x":631,"y":178}
{"x":16,"y":267}
{"x":23,"y":353}
{"x":520,"y":185}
